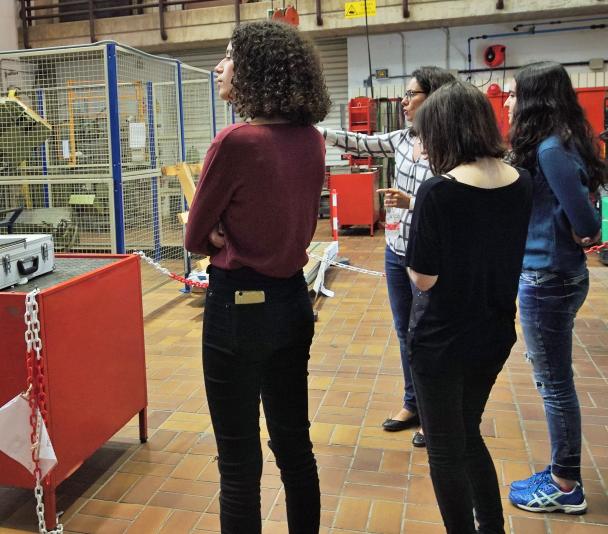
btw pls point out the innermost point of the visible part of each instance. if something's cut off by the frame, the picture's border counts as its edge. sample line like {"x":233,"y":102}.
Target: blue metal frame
{"x":45,"y":169}
{"x":154,"y":183}
{"x":182,"y":134}
{"x":113,"y":109}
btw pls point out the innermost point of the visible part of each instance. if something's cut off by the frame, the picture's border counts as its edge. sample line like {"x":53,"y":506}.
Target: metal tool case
{"x":23,"y":257}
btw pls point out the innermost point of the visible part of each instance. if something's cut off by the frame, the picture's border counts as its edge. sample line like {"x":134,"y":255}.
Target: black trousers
{"x":253,"y":351}
{"x":451,"y":404}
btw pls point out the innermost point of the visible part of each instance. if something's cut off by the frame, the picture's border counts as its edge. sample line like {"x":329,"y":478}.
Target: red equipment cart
{"x":91,"y":328}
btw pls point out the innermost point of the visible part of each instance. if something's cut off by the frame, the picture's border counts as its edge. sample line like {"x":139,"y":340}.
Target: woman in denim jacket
{"x":551,"y":137}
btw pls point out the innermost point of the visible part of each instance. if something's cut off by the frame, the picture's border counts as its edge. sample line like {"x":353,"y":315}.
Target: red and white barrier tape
{"x":167,"y":272}
{"x":343,"y":266}
{"x":596,"y":248}
{"x":184,"y":280}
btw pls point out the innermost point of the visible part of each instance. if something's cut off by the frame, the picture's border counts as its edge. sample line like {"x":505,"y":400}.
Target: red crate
{"x":362,"y":115}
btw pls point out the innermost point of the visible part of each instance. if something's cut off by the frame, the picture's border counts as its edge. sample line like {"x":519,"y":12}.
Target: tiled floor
{"x":371,"y":481}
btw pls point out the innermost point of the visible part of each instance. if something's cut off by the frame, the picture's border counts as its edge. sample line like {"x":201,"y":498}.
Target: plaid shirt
{"x":409,"y":174}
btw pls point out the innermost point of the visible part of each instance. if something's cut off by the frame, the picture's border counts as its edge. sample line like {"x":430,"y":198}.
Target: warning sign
{"x":354,"y":10}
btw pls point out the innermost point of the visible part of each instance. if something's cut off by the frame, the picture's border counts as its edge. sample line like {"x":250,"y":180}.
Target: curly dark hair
{"x":277,"y":73}
{"x":456,"y":125}
{"x":546,"y":105}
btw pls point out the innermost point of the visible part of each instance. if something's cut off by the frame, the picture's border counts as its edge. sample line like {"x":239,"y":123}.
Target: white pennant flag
{"x":15,"y":436}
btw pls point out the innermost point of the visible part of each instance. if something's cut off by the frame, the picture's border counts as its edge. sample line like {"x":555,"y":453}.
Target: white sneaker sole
{"x":571,"y":509}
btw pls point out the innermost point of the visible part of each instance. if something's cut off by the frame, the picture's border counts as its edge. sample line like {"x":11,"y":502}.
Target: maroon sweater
{"x":263,"y":183}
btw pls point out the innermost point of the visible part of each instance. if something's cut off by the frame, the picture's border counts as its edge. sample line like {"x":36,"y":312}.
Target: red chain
{"x":31,"y":399}
{"x":34,"y":399}
{"x":36,"y":394}
{"x":596,"y":248}
{"x":186,"y":281}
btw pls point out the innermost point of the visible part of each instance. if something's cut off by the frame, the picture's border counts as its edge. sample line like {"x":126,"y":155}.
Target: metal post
{"x":154,"y":184}
{"x":237,"y":12}
{"x":92,"y":21}
{"x":212,"y":103}
{"x":182,"y":145}
{"x":45,"y":170}
{"x":500,"y":4}
{"x":161,"y":18}
{"x":23,"y":14}
{"x":406,"y":9}
{"x":114,"y":118}
{"x":319,"y":16}
{"x":333,"y":208}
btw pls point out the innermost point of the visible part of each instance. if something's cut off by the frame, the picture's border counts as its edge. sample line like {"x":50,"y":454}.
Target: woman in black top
{"x":464,"y":259}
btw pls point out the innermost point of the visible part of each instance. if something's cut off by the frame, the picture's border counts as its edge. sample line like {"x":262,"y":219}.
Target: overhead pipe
{"x":161,"y":19}
{"x":92,"y":21}
{"x":531,"y":31}
{"x":516,"y":67}
{"x":517,"y":27}
{"x":489,"y":69}
{"x":25,"y":23}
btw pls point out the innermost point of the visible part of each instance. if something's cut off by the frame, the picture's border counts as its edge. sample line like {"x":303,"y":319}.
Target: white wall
{"x":8,"y":25}
{"x":403,"y":52}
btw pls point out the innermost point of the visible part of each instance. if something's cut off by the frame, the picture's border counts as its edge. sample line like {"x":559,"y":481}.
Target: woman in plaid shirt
{"x":411,"y":169}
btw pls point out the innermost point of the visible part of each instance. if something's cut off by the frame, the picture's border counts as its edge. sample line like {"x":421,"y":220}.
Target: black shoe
{"x":394,"y":425}
{"x":418,"y":440}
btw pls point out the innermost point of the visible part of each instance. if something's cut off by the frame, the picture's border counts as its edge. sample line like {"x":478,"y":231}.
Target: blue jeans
{"x":400,"y":298}
{"x":548,"y":303}
{"x":252,"y":352}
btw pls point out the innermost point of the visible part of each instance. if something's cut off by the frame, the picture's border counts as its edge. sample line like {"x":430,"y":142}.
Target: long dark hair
{"x":456,"y":125}
{"x":546,"y":105}
{"x":277,"y":73}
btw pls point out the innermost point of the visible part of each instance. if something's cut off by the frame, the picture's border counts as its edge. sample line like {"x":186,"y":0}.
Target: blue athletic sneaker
{"x":545,"y":496}
{"x":531,"y":481}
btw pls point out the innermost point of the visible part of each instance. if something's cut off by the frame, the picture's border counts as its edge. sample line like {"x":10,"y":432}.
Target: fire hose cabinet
{"x":94,"y":374}
{"x":358,"y":201}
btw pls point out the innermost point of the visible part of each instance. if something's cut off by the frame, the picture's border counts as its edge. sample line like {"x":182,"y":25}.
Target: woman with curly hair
{"x":255,"y":213}
{"x":551,"y":137}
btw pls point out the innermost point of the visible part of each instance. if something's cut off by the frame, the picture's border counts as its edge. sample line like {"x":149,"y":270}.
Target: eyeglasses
{"x":409,"y":94}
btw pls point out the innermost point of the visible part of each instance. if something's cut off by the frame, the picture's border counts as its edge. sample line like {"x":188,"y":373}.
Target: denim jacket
{"x":560,"y":205}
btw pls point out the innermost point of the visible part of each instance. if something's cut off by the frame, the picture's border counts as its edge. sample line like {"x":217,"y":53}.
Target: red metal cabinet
{"x":500,"y":112}
{"x":592,"y":100}
{"x":362,"y":115}
{"x":358,"y":202}
{"x":91,"y":327}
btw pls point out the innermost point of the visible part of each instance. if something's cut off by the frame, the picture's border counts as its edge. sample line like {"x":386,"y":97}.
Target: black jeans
{"x":451,"y":404}
{"x":252,"y":351}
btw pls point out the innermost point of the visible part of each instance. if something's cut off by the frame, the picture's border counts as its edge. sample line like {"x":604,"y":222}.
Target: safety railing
{"x":92,"y":10}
